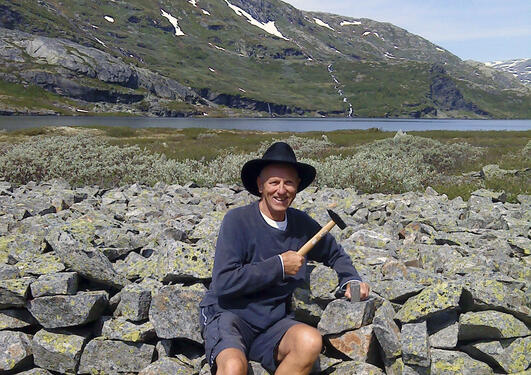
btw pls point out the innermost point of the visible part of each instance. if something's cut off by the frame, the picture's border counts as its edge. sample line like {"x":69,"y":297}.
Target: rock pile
{"x":108,"y":281}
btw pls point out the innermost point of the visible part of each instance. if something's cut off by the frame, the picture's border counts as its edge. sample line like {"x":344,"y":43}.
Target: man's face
{"x":278,"y":185}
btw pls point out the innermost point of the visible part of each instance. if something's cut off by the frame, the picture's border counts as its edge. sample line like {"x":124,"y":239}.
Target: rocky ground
{"x":108,"y":281}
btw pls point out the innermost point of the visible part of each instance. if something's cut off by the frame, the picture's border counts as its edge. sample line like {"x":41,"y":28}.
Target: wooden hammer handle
{"x":311,"y":243}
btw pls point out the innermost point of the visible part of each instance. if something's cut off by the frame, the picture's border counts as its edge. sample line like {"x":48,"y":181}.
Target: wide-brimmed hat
{"x":278,"y":152}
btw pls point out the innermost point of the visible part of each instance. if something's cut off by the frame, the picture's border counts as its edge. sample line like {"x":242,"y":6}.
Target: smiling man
{"x":246,"y":314}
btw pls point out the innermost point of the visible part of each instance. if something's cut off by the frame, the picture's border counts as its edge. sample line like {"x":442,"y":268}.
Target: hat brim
{"x":251,"y":170}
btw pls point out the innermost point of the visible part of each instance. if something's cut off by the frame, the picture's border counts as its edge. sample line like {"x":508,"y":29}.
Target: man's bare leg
{"x":298,"y":350}
{"x":231,"y":361}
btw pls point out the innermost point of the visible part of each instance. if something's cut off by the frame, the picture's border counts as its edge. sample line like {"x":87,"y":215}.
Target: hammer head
{"x":339,"y":222}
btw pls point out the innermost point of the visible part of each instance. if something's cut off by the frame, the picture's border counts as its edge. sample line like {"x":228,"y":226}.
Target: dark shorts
{"x":223,"y":329}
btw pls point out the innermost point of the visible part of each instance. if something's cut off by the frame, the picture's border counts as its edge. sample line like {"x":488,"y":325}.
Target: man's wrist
{"x":282,"y":264}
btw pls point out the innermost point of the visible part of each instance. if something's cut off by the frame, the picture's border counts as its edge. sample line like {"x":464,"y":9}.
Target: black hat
{"x":278,"y":152}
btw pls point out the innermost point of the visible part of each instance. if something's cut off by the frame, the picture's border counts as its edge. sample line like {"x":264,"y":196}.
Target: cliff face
{"x":259,"y":57}
{"x":98,"y":280}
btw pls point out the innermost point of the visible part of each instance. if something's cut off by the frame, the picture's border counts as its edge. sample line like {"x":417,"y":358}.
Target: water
{"x":277,"y":124}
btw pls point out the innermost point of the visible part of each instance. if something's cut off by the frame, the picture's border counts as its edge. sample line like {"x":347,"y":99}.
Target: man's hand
{"x":364,"y":291}
{"x":292,"y":262}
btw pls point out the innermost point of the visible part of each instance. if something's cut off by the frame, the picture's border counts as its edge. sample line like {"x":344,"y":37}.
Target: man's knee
{"x":305,"y":340}
{"x":231,"y":362}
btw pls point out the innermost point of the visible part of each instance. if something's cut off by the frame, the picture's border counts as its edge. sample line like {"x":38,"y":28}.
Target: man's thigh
{"x":224,"y":330}
{"x":265,"y":344}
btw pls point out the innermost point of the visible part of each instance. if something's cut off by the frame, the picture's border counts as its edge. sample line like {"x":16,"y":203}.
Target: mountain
{"x":520,"y":68}
{"x":233,"y":58}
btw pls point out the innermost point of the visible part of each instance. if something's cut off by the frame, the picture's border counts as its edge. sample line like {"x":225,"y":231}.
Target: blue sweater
{"x":247,"y":278}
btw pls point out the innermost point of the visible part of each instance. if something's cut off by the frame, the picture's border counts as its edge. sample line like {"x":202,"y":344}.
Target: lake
{"x":267,"y":124}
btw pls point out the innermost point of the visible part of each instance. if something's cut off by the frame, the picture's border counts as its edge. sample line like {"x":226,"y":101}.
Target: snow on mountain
{"x":322,"y":23}
{"x":347,"y":23}
{"x":173,"y":21}
{"x":109,"y":19}
{"x":268,"y":27}
{"x":520,"y":68}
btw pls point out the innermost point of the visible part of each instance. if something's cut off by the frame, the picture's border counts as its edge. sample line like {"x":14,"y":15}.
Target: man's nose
{"x":281,"y":188}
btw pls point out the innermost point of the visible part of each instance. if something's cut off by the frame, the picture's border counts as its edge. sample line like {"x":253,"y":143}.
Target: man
{"x":245,"y":314}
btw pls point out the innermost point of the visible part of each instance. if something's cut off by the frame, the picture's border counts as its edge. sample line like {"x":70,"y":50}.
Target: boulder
{"x":353,"y":367}
{"x":342,"y":315}
{"x":13,"y":292}
{"x":134,"y":303}
{"x":323,"y":282}
{"x":40,"y":264}
{"x":167,"y":366}
{"x":15,"y":350}
{"x":358,"y":345}
{"x":415,"y":344}
{"x":484,"y":325}
{"x":8,"y":271}
{"x":109,"y":356}
{"x":396,"y":290}
{"x":57,"y":351}
{"x":174,"y":312}
{"x":387,"y":332}
{"x":16,"y":319}
{"x":53,"y":284}
{"x":35,"y":371}
{"x":66,"y":311}
{"x":433,"y":300}
{"x":450,"y":362}
{"x":123,"y":330}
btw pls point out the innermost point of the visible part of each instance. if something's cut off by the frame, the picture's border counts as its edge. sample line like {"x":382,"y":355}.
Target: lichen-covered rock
{"x":323,"y":282}
{"x":16,"y":319}
{"x":342,"y":315}
{"x":54,"y":284}
{"x":40,"y":264}
{"x":173,"y":312}
{"x":396,"y":290}
{"x":123,"y":330}
{"x":323,"y":363}
{"x":167,"y":366}
{"x":449,"y":362}
{"x":445,"y":338}
{"x":494,"y":295}
{"x":393,"y":366}
{"x":387,"y":333}
{"x":57,"y":351}
{"x":35,"y":371}
{"x":353,"y":367}
{"x":432,"y":300}
{"x":109,"y":356}
{"x":15,"y":350}
{"x":134,"y":303}
{"x":13,"y":292}
{"x":304,"y":308}
{"x":490,"y":325}
{"x":358,"y":345}
{"x":89,"y":262}
{"x":164,"y":348}
{"x":8,"y":271}
{"x":369,"y":238}
{"x":66,"y":311}
{"x":510,"y":355}
{"x":415,"y":344}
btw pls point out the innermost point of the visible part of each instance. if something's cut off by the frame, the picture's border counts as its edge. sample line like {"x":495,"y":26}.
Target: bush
{"x":392,"y":165}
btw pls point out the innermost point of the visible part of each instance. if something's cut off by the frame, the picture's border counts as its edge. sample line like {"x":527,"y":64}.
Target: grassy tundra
{"x":368,"y":160}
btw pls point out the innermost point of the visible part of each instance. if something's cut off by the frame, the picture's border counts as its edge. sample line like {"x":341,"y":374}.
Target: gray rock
{"x":13,"y":292}
{"x":123,"y":330}
{"x":15,"y":350}
{"x":433,"y":300}
{"x":323,"y":363}
{"x":88,"y":262}
{"x":342,"y":315}
{"x":167,"y":366}
{"x":511,"y":355}
{"x":54,"y":284}
{"x":164,"y":348}
{"x":323,"y":282}
{"x":66,"y":311}
{"x":353,"y":367}
{"x":57,"y":351}
{"x":40,"y":264}
{"x":134,"y":303}
{"x":369,"y":238}
{"x":393,"y":366}
{"x":173,"y":312}
{"x":109,"y":356}
{"x":445,"y":338}
{"x":304,"y":308}
{"x":415,"y":344}
{"x":450,"y":362}
{"x":16,"y":319}
{"x":490,"y":325}
{"x":387,"y":332}
{"x":8,"y":271}
{"x":36,"y":371}
{"x":396,"y":290}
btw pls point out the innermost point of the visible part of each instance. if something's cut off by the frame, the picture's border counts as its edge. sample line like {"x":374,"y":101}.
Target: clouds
{"x":450,"y":23}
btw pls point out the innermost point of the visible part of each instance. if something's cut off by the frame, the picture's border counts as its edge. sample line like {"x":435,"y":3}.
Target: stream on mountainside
{"x":339,"y":91}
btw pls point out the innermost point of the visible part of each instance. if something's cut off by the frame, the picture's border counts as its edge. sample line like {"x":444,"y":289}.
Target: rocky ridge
{"x":108,"y":280}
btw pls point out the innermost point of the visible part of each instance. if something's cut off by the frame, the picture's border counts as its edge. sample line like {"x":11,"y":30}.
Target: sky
{"x":481,"y":30}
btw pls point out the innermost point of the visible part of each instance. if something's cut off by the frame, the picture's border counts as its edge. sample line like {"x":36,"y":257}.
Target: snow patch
{"x":348,"y":23}
{"x":439,"y":49}
{"x":389,"y":56}
{"x":100,"y":42}
{"x":212,"y":70}
{"x":216,"y":47}
{"x":268,"y":27}
{"x":94,"y":27}
{"x":322,"y":23}
{"x":173,"y":21}
{"x":242,"y":90}
{"x":109,"y":19}
{"x":205,"y":12}
{"x":193,"y":2}
{"x":366,"y":33}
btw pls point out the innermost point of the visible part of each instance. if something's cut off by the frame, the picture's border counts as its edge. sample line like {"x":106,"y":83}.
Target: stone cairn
{"x":97,"y":281}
